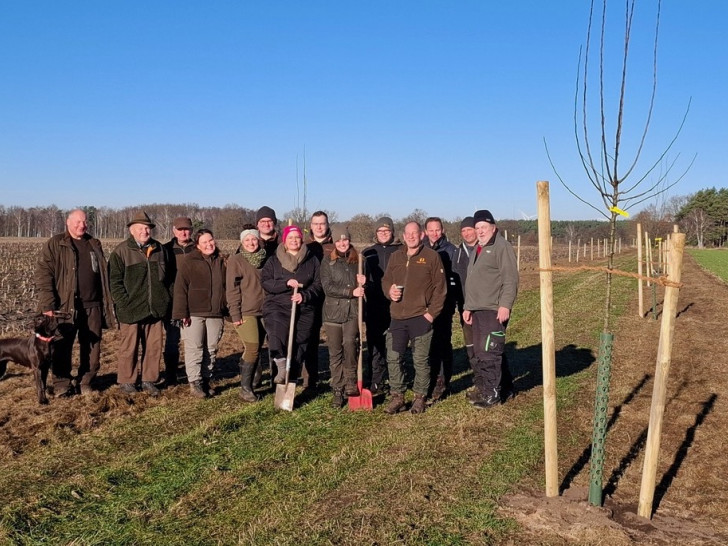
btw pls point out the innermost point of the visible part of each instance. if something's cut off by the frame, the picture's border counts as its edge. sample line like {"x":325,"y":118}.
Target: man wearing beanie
{"x":414,"y":281}
{"x":460,"y":272}
{"x":490,"y":292}
{"x":377,"y":315}
{"x":176,"y":248}
{"x":266,"y":222}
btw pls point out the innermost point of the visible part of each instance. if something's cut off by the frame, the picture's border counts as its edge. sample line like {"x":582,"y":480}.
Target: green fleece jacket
{"x":140,"y":281}
{"x":492,"y":279}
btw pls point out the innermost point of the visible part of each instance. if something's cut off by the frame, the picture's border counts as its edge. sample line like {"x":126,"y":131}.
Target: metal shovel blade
{"x":285,"y":394}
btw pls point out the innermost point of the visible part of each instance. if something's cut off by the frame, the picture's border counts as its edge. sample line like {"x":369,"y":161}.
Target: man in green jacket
{"x":491,"y":287}
{"x":415,"y":283}
{"x":140,"y":285}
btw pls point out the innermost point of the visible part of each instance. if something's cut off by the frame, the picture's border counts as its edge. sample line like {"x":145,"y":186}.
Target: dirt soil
{"x":691,"y":497}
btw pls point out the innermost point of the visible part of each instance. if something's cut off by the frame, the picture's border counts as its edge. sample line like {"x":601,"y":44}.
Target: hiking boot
{"x":351,"y":390}
{"x":196,"y":390}
{"x":473,"y":395}
{"x":246,"y":382}
{"x":280,"y":377}
{"x":150,"y":389}
{"x":396,"y":404}
{"x":418,"y":406}
{"x":207,"y":387}
{"x":337,"y":402}
{"x":128,"y":388}
{"x":440,"y":391}
{"x":491,"y":398}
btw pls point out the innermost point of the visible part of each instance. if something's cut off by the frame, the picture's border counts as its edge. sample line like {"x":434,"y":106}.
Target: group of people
{"x":286,"y":286}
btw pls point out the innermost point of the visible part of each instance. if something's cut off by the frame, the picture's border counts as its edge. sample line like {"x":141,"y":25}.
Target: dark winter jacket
{"x":460,"y":271}
{"x":423,"y":278}
{"x":274,"y":278}
{"x":447,"y":252}
{"x":243,"y":288}
{"x":338,"y":279}
{"x":277,"y":302}
{"x":139,"y":281}
{"x":492,"y":280}
{"x":320,"y":249}
{"x":376,"y":258}
{"x":55,"y":276}
{"x":199,"y":289}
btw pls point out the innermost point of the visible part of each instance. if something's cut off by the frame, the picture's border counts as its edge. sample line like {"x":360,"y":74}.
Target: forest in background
{"x":703,"y":217}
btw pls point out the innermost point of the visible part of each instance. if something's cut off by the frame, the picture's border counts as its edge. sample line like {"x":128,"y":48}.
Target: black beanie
{"x":483,"y":216}
{"x":265,"y":212}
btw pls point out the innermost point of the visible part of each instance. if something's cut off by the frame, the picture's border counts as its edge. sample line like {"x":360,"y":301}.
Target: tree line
{"x":703,"y":216}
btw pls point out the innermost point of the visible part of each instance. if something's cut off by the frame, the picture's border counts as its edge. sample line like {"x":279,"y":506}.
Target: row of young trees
{"x":703,"y":216}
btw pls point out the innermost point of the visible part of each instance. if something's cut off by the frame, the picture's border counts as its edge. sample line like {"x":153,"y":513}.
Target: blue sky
{"x":438,"y":105}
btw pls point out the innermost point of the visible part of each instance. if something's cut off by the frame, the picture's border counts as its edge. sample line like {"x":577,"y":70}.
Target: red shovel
{"x":364,"y":400}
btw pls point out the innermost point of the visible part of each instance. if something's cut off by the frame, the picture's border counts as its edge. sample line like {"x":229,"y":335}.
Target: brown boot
{"x":396,"y":404}
{"x":351,"y":390}
{"x":418,"y":406}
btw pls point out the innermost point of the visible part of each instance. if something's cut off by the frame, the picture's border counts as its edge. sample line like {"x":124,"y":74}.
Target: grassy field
{"x":215,"y":471}
{"x":715,"y":261}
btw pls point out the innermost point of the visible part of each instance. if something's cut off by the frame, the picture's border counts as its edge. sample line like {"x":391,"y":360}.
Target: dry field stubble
{"x":691,"y":495}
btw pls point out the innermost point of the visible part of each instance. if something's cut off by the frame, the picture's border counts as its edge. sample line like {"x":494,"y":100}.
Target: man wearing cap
{"x":377,"y":315}
{"x":414,"y":281}
{"x":71,"y":277}
{"x":140,"y":285}
{"x":266,"y":222}
{"x":176,"y":249}
{"x":460,"y":273}
{"x":441,"y":346}
{"x":490,"y":292}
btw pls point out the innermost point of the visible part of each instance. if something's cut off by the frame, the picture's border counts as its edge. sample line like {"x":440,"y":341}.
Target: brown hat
{"x":340,"y":232}
{"x":265,"y":212}
{"x":141,"y":217}
{"x":182,"y":222}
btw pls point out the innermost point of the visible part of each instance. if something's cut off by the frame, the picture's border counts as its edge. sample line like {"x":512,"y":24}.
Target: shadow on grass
{"x":583,"y":459}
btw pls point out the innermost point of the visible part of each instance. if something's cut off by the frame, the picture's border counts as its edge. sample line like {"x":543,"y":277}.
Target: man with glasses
{"x":266,"y":223}
{"x":176,"y":249}
{"x":377,"y":316}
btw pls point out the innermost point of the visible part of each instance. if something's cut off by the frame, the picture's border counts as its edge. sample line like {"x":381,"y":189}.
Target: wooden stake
{"x":662,"y":369}
{"x":548,"y":352}
{"x":569,"y":250}
{"x":578,"y":248}
{"x":518,"y":258}
{"x":591,"y":256}
{"x":640,"y":292}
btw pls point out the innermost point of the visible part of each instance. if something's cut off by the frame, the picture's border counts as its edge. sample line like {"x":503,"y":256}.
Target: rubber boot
{"x":280,"y":377}
{"x":258,"y":375}
{"x":246,"y":382}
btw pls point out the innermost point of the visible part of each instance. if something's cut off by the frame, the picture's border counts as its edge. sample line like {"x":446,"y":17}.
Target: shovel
{"x":364,"y":400}
{"x":286,"y":392}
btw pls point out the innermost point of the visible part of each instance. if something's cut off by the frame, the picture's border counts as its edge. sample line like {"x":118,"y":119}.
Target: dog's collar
{"x":46,"y":339}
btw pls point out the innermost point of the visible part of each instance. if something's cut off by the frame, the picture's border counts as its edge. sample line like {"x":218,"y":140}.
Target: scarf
{"x":256,"y":258}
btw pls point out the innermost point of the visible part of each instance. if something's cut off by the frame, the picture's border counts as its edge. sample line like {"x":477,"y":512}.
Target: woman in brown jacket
{"x":245,"y":302}
{"x":199,"y":303}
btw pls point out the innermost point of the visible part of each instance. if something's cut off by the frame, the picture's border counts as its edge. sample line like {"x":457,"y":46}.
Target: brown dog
{"x":33,"y":352}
